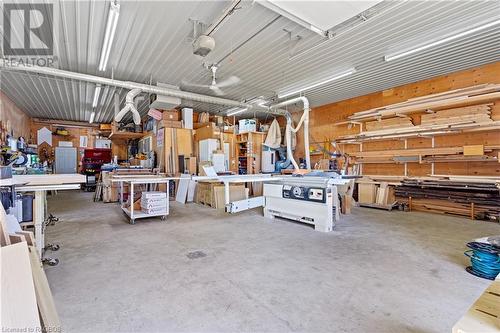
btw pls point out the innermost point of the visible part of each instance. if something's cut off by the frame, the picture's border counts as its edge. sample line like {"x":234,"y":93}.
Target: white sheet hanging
{"x":273,"y":138}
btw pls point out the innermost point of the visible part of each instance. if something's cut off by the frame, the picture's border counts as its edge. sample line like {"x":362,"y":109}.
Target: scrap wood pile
{"x":478,"y":199}
{"x":456,"y":111}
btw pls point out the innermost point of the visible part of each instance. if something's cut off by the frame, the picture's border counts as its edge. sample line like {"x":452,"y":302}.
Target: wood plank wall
{"x":81,"y":129}
{"x":323,"y":117}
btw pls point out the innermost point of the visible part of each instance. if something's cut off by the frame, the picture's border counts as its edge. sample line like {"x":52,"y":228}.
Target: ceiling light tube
{"x":317,"y":84}
{"x":232,"y":112}
{"x":464,"y":33}
{"x":92,"y":116}
{"x":97,"y":92}
{"x":109,"y":36}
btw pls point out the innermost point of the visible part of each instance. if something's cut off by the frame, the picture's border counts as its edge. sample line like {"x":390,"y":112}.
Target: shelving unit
{"x":122,"y":135}
{"x":249,"y":148}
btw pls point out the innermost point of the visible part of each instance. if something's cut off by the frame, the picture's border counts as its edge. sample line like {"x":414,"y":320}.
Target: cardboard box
{"x":236,"y":193}
{"x":247,"y":125}
{"x":187,"y":118}
{"x":170,"y":124}
{"x":172,"y":115}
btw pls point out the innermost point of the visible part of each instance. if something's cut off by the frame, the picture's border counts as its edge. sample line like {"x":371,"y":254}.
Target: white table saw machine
{"x":310,"y":199}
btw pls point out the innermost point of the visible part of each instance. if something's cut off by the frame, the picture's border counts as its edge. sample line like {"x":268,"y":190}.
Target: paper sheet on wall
{"x":44,"y":135}
{"x":83,"y":141}
{"x":160,"y":137}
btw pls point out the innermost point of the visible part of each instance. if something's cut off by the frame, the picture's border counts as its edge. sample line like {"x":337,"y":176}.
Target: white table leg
{"x":131,"y":195}
{"x":39,"y":219}
{"x":226,"y":195}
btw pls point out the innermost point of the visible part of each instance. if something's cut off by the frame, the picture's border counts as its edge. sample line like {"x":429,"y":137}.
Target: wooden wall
{"x":13,"y":118}
{"x":323,"y":117}
{"x":75,"y":129}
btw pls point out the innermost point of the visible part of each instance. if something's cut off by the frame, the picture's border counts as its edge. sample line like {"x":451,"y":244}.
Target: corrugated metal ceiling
{"x":152,"y":45}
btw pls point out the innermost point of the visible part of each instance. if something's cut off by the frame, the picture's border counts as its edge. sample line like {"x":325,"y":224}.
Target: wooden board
{"x":474,"y":150}
{"x":182,"y":188}
{"x":46,"y":305}
{"x":18,"y":299}
{"x":52,"y":179}
{"x":484,"y":315}
{"x":236,"y":192}
{"x":367,"y":193}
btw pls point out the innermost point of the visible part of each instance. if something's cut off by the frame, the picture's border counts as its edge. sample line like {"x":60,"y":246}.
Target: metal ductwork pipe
{"x":125,"y":84}
{"x":304,"y":120}
{"x":130,"y":106}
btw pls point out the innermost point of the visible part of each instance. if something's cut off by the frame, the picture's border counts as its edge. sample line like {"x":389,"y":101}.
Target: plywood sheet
{"x":18,"y":299}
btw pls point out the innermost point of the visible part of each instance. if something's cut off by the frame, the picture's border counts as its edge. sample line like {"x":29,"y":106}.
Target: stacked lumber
{"x":382,"y":124}
{"x":475,"y":153}
{"x":475,"y":113}
{"x":479,"y":199}
{"x":473,"y":125}
{"x":454,"y":98}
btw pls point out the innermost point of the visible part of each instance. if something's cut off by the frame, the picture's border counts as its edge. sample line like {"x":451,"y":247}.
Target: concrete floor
{"x":377,"y":272}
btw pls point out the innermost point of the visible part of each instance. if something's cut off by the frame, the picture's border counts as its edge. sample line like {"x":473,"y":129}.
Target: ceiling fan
{"x":216,"y":86}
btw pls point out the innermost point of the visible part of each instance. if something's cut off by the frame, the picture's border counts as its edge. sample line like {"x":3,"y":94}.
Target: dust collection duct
{"x":130,"y":106}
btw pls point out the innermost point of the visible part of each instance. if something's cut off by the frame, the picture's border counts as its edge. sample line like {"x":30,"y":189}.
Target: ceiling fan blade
{"x":217,"y":90}
{"x":194,"y":85}
{"x":230,"y":81}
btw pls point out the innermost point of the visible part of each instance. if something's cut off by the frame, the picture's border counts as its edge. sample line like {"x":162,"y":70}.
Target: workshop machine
{"x":308,"y":199}
{"x":92,"y":160}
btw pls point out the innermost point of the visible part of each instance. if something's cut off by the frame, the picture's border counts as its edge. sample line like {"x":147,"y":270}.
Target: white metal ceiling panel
{"x":266,"y":51}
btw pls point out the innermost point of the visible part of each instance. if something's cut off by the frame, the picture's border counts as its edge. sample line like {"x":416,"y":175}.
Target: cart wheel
{"x":52,"y":247}
{"x":163,"y":218}
{"x":132,"y":221}
{"x":51,"y":261}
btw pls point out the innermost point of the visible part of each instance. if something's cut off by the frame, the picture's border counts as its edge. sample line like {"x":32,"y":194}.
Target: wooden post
{"x":409,"y":203}
{"x":472,"y":211}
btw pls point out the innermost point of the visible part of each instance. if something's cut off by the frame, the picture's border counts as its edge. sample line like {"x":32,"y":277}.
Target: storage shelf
{"x":125,"y":135}
{"x":139,"y":214}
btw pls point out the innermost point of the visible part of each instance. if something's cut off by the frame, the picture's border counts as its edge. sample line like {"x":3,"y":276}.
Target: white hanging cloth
{"x":273,"y":138}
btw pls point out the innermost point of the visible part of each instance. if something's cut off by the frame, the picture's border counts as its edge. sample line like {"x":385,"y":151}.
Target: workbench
{"x":240,"y":205}
{"x":142,"y":180}
{"x":40,"y":184}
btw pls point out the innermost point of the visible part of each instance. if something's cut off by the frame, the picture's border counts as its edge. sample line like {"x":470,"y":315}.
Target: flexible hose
{"x":485,"y":261}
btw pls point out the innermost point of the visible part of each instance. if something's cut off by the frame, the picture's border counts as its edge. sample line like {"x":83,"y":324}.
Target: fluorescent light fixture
{"x":398,"y":55}
{"x":234,"y":111}
{"x":260,"y":101}
{"x":109,"y":36}
{"x":92,"y":116}
{"x":317,"y":84}
{"x":96,"y":95}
